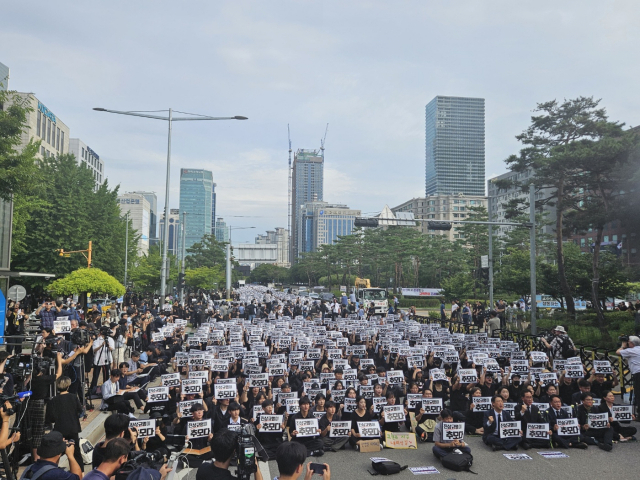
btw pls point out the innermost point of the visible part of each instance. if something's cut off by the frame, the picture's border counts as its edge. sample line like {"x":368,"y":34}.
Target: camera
{"x":13,"y":399}
{"x":80,"y":337}
{"x":623,"y":338}
{"x":246,"y":454}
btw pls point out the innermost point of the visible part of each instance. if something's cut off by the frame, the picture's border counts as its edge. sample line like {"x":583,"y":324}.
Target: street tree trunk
{"x":562,"y":276}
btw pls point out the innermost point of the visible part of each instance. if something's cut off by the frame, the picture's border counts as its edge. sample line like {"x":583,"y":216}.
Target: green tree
{"x":146,"y":274}
{"x":207,"y":253}
{"x":458,"y":286}
{"x":206,"y":278}
{"x":91,"y":280}
{"x":552,"y":143}
{"x":268,"y":273}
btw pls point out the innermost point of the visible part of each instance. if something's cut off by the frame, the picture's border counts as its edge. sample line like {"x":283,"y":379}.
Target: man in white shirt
{"x":103,"y":347}
{"x":111,"y":394}
{"x":630,"y":350}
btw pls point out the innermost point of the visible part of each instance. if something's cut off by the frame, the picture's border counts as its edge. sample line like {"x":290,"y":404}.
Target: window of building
{"x":614,"y":238}
{"x":582,"y":242}
{"x":38,"y":123}
{"x":42,"y":151}
{"x":49,"y":131}
{"x":606,"y":238}
{"x":61,"y":142}
{"x":58,"y":138}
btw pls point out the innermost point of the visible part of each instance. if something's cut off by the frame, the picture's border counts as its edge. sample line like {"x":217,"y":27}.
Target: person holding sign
{"x":600,"y":385}
{"x":492,"y":420}
{"x":331,"y":442}
{"x":313,"y":443}
{"x":527,"y":413}
{"x":272,"y":438}
{"x":560,"y":440}
{"x":444,"y":445}
{"x":361,"y":414}
{"x":600,"y":435}
{"x":618,"y":414}
{"x":235,"y":422}
{"x":392,"y":425}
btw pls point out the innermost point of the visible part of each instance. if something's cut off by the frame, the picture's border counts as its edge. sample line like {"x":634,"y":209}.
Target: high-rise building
{"x":4,"y":77}
{"x":139,"y":215}
{"x":454,"y":146}
{"x":153,"y":218}
{"x":213,"y":209}
{"x":174,"y":231}
{"x":87,"y":157}
{"x":442,"y":208}
{"x":196,"y":195}
{"x":279,"y":237}
{"x":307,"y":186}
{"x":320,"y":223}
{"x":222,"y":231}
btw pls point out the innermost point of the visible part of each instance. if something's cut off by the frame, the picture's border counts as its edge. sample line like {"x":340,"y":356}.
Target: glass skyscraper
{"x":307,"y":186}
{"x":454,"y":146}
{"x":196,"y":194}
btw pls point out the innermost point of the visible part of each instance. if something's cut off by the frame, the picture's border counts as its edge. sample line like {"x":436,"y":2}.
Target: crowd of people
{"x":303,"y":381}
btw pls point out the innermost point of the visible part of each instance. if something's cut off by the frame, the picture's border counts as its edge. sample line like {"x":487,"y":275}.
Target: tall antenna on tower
{"x":290,"y":199}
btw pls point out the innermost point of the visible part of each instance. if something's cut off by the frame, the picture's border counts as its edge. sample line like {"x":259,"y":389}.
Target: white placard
{"x":307,"y":427}
{"x":568,"y":427}
{"x":369,"y":429}
{"x":378,"y":403}
{"x":62,"y":326}
{"x":199,"y":429}
{"x":340,"y":429}
{"x":271,"y":423}
{"x":293,"y":405}
{"x":598,"y":420}
{"x":414,"y":401}
{"x":468,"y":375}
{"x":452,"y":431}
{"x":350,"y":404}
{"x":622,"y":413}
{"x":394,"y":413}
{"x":146,"y":428}
{"x":538,"y":431}
{"x":395,"y":377}
{"x":158,"y":394}
{"x":432,"y":406}
{"x":602,"y":366}
{"x":225,"y":391}
{"x":481,"y":404}
{"x":509,"y":429}
{"x":191,"y":386}
{"x":185,"y":407}
{"x":259,"y":380}
{"x":170,"y":380}
{"x":517,"y":456}
{"x":423,"y":470}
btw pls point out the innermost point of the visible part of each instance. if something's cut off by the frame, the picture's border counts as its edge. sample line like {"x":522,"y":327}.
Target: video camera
{"x":153,"y":460}
{"x":623,"y":338}
{"x":81,"y":337}
{"x":246,"y":454}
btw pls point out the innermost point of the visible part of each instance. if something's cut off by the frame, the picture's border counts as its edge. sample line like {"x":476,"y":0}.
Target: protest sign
{"x":340,"y":429}
{"x":199,"y":429}
{"x":307,"y":427}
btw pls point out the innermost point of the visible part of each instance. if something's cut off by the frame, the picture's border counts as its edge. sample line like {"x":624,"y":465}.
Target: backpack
{"x":386,"y":467}
{"x":458,"y":462}
{"x":566,"y":349}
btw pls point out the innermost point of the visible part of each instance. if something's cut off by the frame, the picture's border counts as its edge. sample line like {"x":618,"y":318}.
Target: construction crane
{"x":323,"y":140}
{"x":290,"y":194}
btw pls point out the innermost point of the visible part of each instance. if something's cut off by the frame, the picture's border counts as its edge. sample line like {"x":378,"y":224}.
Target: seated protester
{"x":486,"y":383}
{"x":491,"y":423}
{"x":440,"y":389}
{"x":314,"y":444}
{"x":290,"y":458}
{"x":458,"y":401}
{"x":350,"y":393}
{"x":413,"y":390}
{"x":515,"y":385}
{"x":527,"y":413}
{"x":158,"y":441}
{"x":270,"y":440}
{"x":361,"y":414}
{"x":318,"y":410}
{"x":599,"y":384}
{"x":51,"y":448}
{"x":331,"y":444}
{"x":224,"y":444}
{"x":116,"y":455}
{"x":426,"y":423}
{"x":235,"y":422}
{"x":554,"y":413}
{"x":473,"y":420}
{"x":128,"y":390}
{"x":602,"y":437}
{"x":584,"y":387}
{"x":505,"y":394}
{"x":197,"y":412}
{"x":390,"y":426}
{"x":114,"y":427}
{"x":622,"y":431}
{"x":64,"y":411}
{"x":112,"y":396}
{"x":219,"y":413}
{"x":136,"y":368}
{"x":566,"y":389}
{"x":150,"y":358}
{"x":444,"y":447}
{"x":549,"y":391}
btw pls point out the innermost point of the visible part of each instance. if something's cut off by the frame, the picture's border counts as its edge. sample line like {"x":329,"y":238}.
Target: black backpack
{"x":458,"y":462}
{"x":386,"y":468}
{"x":566,"y":349}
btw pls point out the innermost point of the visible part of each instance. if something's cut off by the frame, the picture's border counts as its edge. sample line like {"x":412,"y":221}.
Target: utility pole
{"x":126,"y":251}
{"x":184,"y":236}
{"x":489,"y":211}
{"x":532,"y":255}
{"x":228,"y":283}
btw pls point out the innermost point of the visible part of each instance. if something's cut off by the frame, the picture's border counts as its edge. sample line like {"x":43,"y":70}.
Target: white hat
{"x":560,"y":328}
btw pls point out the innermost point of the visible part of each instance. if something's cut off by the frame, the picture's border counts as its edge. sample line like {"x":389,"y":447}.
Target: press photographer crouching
{"x":223,"y":446}
{"x":52,"y":447}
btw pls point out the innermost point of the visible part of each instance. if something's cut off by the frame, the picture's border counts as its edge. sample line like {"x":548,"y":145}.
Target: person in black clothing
{"x":527,"y":413}
{"x":224,"y":444}
{"x":114,"y":427}
{"x":269,"y":440}
{"x":622,"y":432}
{"x":602,"y":437}
{"x":41,"y":389}
{"x":314,"y":444}
{"x":64,"y":411}
{"x":197,"y":412}
{"x":554,"y":413}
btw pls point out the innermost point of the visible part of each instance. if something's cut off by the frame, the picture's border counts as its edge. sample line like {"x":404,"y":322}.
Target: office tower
{"x":213,"y":209}
{"x":196,"y":194}
{"x":175,"y":231}
{"x":454,"y":146}
{"x":320,"y":223}
{"x":307,"y":186}
{"x":153,"y":218}
{"x":139,"y":216}
{"x":4,"y":77}
{"x":280,"y":238}
{"x":222,"y":231}
{"x":87,"y":157}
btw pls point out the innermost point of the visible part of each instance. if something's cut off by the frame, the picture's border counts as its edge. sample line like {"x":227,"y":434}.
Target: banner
{"x":400,"y":440}
{"x":421,"y":292}
{"x":340,"y":429}
{"x":199,"y":429}
{"x":271,"y":423}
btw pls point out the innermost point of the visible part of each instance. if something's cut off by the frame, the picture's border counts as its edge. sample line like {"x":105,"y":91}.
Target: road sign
{"x":17,"y":293}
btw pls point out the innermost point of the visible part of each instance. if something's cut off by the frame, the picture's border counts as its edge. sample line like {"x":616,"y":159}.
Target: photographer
{"x":630,"y":350}
{"x":290,"y":458}
{"x":53,"y":446}
{"x":40,"y":385}
{"x":102,"y":356}
{"x":224,"y":445}
{"x":116,"y":455}
{"x":6,"y":412}
{"x":15,"y":328}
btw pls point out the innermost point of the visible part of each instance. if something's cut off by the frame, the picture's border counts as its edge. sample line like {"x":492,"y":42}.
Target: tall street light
{"x":170,"y":118}
{"x":229,"y":260}
{"x":126,"y":251}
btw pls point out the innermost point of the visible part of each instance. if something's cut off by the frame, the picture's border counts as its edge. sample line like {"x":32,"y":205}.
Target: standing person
{"x":103,"y":347}
{"x":15,"y":329}
{"x":630,"y":350}
{"x":47,"y":313}
{"x":64,"y":411}
{"x":443,"y":315}
{"x":466,"y":315}
{"x":454,"y":310}
{"x":561,"y":346}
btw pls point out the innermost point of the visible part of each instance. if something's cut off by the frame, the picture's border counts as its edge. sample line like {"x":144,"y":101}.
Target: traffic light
{"x":61,"y":252}
{"x":181,"y":283}
{"x":365,"y":222}
{"x":439,"y":225}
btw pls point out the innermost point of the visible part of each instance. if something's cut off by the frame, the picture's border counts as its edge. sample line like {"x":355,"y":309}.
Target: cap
{"x":52,"y":444}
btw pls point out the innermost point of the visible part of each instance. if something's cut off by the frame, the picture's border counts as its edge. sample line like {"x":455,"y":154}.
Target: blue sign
{"x":93,"y":153}
{"x":46,"y":112}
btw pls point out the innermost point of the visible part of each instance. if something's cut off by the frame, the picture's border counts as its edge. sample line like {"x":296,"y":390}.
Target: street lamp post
{"x":184,"y":238}
{"x":126,"y":251}
{"x":228,"y":273}
{"x":170,"y":118}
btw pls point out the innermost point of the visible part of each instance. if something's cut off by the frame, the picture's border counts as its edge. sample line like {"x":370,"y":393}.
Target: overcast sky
{"x":368,"y":68}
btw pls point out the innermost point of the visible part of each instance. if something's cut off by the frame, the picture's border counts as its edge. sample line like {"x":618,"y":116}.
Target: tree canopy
{"x":91,"y":280}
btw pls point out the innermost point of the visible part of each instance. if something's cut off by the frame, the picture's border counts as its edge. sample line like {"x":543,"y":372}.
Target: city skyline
{"x":371,"y":88}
